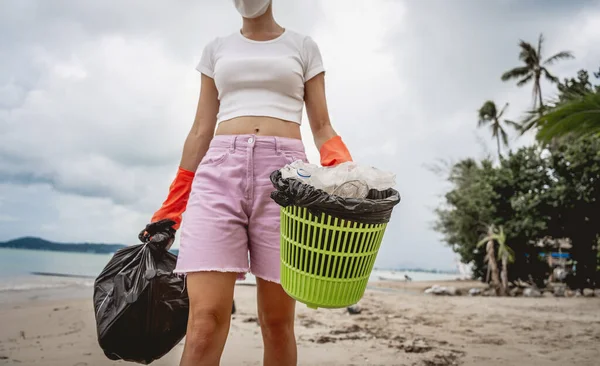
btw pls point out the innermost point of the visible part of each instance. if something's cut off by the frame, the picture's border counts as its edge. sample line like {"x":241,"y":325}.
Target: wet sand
{"x":399,"y":325}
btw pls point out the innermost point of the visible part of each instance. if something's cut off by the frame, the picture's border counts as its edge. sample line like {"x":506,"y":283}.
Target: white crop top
{"x":261,"y":78}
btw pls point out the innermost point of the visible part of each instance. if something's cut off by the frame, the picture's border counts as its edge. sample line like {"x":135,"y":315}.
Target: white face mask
{"x":251,"y":8}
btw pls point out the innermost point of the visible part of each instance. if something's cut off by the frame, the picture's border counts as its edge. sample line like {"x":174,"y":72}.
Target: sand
{"x":398,"y":326}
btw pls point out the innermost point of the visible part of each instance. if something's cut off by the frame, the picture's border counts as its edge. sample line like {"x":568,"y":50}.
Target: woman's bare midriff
{"x":260,"y":126}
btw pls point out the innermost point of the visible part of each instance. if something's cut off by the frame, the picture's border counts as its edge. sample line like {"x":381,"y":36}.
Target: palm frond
{"x":580,"y":118}
{"x":528,"y":54}
{"x":513,"y":124}
{"x":525,"y":80}
{"x":504,"y":136}
{"x":528,"y":122}
{"x":540,"y":42}
{"x":551,"y":78}
{"x":516,"y":73}
{"x":501,"y":235}
{"x":495,"y":128}
{"x":528,"y":125}
{"x":503,"y":250}
{"x":482,"y":242}
{"x":564,"y":55}
{"x":502,"y":111}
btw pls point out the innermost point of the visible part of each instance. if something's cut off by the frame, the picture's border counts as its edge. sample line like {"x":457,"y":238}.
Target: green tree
{"x":484,"y":195}
{"x":534,"y":193}
{"x":489,"y":115}
{"x":534,"y":68}
{"x":575,"y":172}
{"x":574,"y":88}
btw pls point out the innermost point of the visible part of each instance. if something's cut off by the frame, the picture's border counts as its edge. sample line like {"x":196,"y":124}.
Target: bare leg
{"x":276,"y":311}
{"x":211,"y":296}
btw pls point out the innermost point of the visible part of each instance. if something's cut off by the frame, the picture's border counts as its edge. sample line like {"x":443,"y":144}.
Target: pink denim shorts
{"x":231,"y":224}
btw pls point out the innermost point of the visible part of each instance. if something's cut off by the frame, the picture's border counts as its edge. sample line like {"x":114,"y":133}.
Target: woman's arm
{"x":202,"y":131}
{"x":195,"y":147}
{"x":331,"y":148}
{"x":316,"y":110}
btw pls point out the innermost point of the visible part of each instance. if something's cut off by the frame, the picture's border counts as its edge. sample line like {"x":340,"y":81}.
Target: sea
{"x":33,"y":274}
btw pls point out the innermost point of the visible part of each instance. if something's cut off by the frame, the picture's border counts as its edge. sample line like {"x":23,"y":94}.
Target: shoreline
{"x":401,"y":327}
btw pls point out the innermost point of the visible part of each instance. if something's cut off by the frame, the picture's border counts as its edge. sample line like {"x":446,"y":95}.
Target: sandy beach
{"x":399,"y":325}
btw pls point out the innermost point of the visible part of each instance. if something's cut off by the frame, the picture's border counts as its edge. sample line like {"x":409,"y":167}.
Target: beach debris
{"x":548,"y":294}
{"x":442,"y":290}
{"x":309,"y":323}
{"x":491,"y":340}
{"x":415,"y":346}
{"x":489,"y":292}
{"x":325,"y":339}
{"x":559,"y":291}
{"x":515,"y":291}
{"x":351,"y":329}
{"x":569,"y":293}
{"x":531,"y":292}
{"x":251,"y":319}
{"x":588,"y":292}
{"x":354,"y":309}
{"x":442,"y":360}
{"x":475,"y":292}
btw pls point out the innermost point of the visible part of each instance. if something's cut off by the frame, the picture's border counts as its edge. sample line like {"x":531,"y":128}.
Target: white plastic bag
{"x":349,"y":180}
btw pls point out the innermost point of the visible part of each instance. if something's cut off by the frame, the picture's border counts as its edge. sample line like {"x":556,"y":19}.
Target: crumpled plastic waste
{"x":346,"y":180}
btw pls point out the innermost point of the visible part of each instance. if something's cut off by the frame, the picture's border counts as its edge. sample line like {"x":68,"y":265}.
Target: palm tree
{"x":534,"y":68}
{"x":506,"y":254}
{"x":490,"y":258}
{"x":579,"y":118}
{"x":488,"y":115}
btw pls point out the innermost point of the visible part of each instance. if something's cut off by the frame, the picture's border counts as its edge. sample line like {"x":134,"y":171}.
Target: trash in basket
{"x":329,"y":243}
{"x":348,"y":180}
{"x":376,"y":208}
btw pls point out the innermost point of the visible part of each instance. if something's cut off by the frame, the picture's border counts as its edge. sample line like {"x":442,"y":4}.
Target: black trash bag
{"x":375,"y":209}
{"x":141,"y":306}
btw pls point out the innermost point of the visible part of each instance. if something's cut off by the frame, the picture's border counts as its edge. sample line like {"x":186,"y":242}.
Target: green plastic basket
{"x":325,"y":261}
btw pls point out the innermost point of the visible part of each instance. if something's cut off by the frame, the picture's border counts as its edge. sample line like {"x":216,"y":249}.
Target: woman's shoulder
{"x":215,"y":42}
{"x":297,"y":36}
{"x":303,"y":42}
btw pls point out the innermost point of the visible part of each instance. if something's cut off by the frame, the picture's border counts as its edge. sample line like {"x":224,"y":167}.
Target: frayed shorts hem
{"x":270,"y":279}
{"x":241,"y":272}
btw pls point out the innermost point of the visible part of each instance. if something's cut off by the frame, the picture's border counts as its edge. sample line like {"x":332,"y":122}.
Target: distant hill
{"x":32,"y":243}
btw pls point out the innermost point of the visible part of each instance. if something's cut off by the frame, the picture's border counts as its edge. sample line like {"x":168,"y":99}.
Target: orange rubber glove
{"x":334,"y":152}
{"x":176,"y":202}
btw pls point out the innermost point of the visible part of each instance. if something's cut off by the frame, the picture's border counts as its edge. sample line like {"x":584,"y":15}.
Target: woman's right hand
{"x":160,"y":233}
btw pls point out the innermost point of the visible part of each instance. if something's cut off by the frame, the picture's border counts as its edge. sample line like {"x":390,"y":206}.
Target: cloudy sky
{"x":96,"y":98}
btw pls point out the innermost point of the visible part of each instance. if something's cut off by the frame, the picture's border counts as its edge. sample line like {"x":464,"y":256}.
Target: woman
{"x":254,"y":84}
